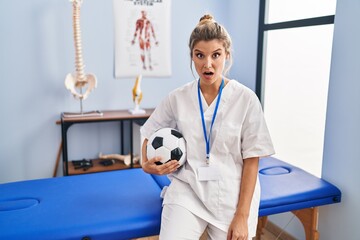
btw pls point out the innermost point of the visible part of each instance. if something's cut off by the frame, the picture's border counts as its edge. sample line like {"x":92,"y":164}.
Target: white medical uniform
{"x":239,"y":132}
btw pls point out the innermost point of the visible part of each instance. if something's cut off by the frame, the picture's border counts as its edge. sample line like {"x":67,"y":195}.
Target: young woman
{"x":217,"y":189}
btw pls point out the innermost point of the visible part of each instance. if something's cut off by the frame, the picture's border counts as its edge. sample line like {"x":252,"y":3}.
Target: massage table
{"x":121,"y":204}
{"x":126,"y":204}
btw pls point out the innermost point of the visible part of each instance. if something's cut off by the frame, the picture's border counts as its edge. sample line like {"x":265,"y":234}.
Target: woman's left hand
{"x":238,"y":229}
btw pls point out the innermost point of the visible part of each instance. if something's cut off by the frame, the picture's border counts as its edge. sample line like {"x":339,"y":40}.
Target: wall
{"x":342,"y":146}
{"x":244,"y":20}
{"x":37,"y":52}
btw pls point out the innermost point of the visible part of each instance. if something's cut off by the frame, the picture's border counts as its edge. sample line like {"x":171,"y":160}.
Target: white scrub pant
{"x":178,"y":223}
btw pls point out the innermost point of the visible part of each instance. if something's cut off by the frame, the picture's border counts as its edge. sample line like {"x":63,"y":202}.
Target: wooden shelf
{"x":107,"y":115}
{"x":97,"y":167}
{"x":121,"y":116}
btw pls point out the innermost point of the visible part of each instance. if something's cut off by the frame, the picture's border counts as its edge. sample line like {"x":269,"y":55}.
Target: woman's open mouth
{"x":208,"y":73}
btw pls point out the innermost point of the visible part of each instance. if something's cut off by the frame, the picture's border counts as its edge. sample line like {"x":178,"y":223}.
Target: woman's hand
{"x":238,"y":229}
{"x":239,"y":226}
{"x":149,"y":165}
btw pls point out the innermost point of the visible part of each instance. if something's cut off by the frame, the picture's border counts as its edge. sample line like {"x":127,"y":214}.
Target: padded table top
{"x":109,"y":205}
{"x":285,"y":187}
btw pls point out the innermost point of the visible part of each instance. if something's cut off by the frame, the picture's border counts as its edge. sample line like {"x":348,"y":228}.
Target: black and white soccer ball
{"x":167,"y":143}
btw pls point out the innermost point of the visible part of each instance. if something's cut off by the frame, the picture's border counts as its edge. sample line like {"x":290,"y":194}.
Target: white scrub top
{"x":239,"y":132}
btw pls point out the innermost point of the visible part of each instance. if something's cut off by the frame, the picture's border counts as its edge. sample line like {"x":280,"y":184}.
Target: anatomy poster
{"x":142,"y":38}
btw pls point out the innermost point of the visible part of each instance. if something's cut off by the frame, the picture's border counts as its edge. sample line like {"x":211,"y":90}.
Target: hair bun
{"x":206,"y":18}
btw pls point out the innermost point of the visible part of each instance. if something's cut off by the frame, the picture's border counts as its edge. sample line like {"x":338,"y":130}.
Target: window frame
{"x":264,"y":27}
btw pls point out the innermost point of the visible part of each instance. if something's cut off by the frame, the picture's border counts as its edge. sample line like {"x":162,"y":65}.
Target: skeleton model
{"x":123,"y":158}
{"x":79,"y":79}
{"x":137,"y":96}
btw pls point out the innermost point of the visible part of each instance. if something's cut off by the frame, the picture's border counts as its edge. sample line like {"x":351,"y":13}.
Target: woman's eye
{"x":216,"y":55}
{"x":199,"y":55}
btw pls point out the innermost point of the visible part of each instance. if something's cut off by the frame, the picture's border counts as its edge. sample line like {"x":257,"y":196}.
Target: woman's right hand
{"x":149,"y":165}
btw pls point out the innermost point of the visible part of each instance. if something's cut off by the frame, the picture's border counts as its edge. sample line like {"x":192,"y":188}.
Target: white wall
{"x":244,"y":21}
{"x":342,"y":145}
{"x":36,"y":53}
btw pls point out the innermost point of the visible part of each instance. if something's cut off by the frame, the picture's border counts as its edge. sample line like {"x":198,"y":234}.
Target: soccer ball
{"x":167,"y":143}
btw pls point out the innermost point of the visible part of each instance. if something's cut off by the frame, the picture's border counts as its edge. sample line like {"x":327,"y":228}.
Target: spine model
{"x":79,"y":79}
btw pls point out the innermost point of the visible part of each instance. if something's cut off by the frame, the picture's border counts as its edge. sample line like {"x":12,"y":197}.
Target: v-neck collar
{"x":209,"y":109}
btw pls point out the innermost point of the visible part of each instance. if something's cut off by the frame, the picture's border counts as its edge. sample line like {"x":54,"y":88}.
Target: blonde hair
{"x":206,"y":30}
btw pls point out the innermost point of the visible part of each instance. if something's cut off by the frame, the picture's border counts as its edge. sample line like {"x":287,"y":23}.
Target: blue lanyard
{"x":207,"y":140}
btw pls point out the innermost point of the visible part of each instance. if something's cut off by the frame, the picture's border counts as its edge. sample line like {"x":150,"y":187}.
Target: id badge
{"x":208,"y":173}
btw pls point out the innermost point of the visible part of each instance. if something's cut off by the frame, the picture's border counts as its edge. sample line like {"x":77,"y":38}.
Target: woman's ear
{"x":227,"y":57}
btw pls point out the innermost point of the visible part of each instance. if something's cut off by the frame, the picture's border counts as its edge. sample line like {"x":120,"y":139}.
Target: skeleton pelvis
{"x":72,"y":83}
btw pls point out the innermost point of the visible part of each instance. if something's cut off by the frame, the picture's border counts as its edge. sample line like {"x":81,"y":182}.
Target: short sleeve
{"x":161,"y":117}
{"x":255,"y":136}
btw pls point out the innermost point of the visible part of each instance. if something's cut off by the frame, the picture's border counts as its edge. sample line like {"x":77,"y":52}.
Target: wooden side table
{"x":111,"y":115}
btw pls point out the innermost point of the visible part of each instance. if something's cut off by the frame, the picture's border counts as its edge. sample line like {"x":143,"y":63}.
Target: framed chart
{"x":142,"y":38}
